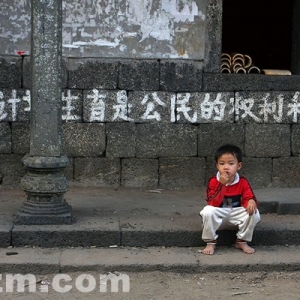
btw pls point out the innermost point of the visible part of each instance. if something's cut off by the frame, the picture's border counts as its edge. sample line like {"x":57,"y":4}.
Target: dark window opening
{"x":261,"y":29}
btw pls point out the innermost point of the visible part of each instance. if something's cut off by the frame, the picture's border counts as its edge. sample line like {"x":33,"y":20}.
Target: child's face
{"x":228,"y":164}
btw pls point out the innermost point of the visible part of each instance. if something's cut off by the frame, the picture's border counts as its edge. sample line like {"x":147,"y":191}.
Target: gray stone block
{"x":5,"y":138}
{"x":14,"y":105}
{"x":179,"y":231}
{"x":288,"y":208}
{"x":286,"y":172}
{"x":11,"y":169}
{"x":69,"y":170}
{"x":182,"y":172}
{"x":166,"y":140}
{"x":91,"y":73}
{"x":267,"y":140}
{"x":20,"y":138}
{"x":270,"y":207}
{"x":267,"y":107}
{"x":98,"y":171}
{"x":74,"y":235}
{"x":27,"y":72}
{"x":211,"y":169}
{"x":295,"y":141}
{"x":105,"y":106}
{"x":139,"y":172}
{"x":140,"y":75}
{"x":212,"y":136}
{"x":83,"y":139}
{"x":181,"y":75}
{"x":10,"y":72}
{"x":215,"y":82}
{"x":205,"y":108}
{"x":31,"y":261}
{"x":162,"y":238}
{"x":72,"y":102}
{"x":265,"y":234}
{"x":5,"y":235}
{"x":258,"y":171}
{"x":120,"y":140}
{"x":154,"y":107}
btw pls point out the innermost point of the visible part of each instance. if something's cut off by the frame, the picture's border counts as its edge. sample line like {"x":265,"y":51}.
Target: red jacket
{"x":236,"y":195}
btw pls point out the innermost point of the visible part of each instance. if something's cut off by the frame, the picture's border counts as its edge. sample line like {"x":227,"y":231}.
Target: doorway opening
{"x":261,"y":29}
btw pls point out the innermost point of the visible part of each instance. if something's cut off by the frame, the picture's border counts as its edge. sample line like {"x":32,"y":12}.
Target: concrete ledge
{"x":102,"y":233}
{"x":30,"y":260}
{"x":5,"y":235}
{"x":137,"y":259}
{"x":278,"y":230}
{"x":151,"y":231}
{"x":288,"y":209}
{"x":177,"y":231}
{"x":283,"y":201}
{"x":189,"y":260}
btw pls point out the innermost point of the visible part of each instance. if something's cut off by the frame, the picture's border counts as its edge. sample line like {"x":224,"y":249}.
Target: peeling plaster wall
{"x":115,"y":28}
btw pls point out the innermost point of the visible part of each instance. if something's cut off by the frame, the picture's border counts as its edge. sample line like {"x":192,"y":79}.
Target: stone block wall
{"x":156,"y":123}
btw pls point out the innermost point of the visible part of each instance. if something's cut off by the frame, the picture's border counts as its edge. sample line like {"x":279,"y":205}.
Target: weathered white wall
{"x":115,"y":28}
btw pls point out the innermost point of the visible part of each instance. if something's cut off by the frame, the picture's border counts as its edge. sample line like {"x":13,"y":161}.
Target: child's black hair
{"x":229,"y":149}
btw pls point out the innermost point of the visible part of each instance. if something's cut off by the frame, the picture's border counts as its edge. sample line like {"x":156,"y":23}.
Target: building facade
{"x":144,"y":101}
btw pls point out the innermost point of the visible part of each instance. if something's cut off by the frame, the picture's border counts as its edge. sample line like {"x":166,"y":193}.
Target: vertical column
{"x":295,"y":64}
{"x":44,"y":182}
{"x":213,"y":36}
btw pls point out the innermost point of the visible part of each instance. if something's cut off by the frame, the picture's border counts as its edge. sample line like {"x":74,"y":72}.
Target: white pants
{"x":215,"y":218}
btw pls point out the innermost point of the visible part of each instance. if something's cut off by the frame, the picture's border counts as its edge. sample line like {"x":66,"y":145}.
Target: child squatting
{"x":230,"y":202}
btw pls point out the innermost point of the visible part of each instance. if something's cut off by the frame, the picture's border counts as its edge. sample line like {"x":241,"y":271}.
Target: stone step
{"x":146,"y":232}
{"x":145,"y":218}
{"x":183,"y":260}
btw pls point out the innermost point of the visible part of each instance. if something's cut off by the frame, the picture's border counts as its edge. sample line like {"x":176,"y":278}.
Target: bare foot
{"x":209,"y":249}
{"x":245,"y":247}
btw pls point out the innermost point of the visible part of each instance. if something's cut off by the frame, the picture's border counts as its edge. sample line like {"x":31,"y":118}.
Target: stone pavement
{"x":143,"y":229}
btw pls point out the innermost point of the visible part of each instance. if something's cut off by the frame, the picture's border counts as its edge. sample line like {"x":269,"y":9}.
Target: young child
{"x":230,"y":202}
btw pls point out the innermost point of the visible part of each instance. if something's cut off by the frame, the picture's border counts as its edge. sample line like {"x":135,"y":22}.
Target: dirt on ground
{"x":158,"y":285}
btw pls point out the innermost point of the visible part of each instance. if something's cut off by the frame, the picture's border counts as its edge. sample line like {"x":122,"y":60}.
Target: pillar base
{"x":27,"y":219}
{"x":44,"y":184}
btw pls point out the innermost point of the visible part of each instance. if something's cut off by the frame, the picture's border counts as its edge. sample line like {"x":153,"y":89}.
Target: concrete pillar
{"x":44,"y":182}
{"x":213,"y":36}
{"x":295,"y":64}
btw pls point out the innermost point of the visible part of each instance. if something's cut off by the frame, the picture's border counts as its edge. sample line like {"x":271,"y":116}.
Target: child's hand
{"x":224,"y":178}
{"x":251,"y":207}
